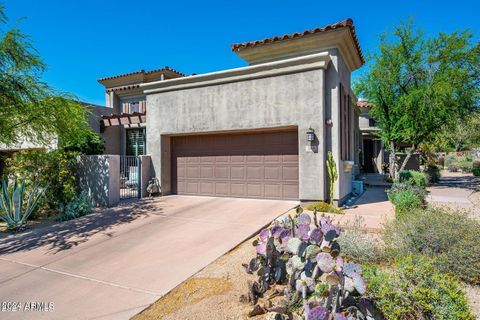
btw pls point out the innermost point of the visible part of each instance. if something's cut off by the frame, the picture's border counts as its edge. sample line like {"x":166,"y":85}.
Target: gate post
{"x":144,"y":174}
{"x":99,"y":177}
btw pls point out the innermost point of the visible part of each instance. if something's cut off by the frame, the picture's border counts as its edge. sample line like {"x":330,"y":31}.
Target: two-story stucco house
{"x":260,"y":131}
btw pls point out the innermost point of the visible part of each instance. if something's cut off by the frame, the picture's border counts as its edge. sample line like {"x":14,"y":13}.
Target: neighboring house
{"x":6,"y":151}
{"x":246,"y":132}
{"x":372,"y":155}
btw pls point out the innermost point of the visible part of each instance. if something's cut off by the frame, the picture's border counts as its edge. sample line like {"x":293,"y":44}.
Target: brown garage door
{"x":256,"y":165}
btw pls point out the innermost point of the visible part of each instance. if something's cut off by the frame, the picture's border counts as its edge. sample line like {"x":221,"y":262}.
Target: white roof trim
{"x":269,"y":69}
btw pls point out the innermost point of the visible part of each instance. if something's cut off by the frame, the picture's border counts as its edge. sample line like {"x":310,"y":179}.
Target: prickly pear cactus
{"x":304,"y":256}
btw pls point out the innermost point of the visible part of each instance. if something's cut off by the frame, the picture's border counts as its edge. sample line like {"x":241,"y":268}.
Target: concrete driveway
{"x":113,"y":264}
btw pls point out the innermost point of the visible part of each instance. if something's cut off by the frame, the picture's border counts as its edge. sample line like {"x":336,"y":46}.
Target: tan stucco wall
{"x":302,"y":99}
{"x":280,"y":101}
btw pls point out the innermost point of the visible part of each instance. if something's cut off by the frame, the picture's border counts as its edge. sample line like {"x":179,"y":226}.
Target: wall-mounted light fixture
{"x":310,"y":135}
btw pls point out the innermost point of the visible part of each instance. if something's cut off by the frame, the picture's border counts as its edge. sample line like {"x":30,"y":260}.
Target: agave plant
{"x":302,"y":253}
{"x":16,"y":206}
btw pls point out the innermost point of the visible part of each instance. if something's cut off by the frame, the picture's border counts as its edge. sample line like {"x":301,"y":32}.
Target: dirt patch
{"x":473,"y":296}
{"x":189,"y":292}
{"x":211,"y":294}
{"x":475,"y":199}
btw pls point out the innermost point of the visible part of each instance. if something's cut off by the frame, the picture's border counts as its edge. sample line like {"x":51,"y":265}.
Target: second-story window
{"x":134,"y":106}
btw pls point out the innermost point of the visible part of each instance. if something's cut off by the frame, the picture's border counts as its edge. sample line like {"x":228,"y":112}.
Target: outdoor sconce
{"x":310,"y":135}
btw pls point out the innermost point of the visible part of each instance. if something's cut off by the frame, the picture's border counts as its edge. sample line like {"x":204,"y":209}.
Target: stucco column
{"x":312,"y":154}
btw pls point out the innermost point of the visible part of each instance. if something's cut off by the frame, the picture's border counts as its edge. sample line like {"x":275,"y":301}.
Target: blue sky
{"x":82,"y":41}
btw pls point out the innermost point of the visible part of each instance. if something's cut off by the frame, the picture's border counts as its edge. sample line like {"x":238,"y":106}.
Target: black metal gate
{"x":130,"y":176}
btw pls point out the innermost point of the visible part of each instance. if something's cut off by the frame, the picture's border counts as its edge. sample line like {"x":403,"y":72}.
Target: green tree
{"x":420,"y":86}
{"x":465,"y":134}
{"x":29,"y":108}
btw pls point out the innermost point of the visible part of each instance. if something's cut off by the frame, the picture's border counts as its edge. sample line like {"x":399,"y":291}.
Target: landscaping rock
{"x":279,"y":309}
{"x":276,"y":293}
{"x":276,"y":316}
{"x":256,"y":311}
{"x":267,"y":304}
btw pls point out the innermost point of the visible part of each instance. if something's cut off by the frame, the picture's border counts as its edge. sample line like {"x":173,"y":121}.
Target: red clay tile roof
{"x":142,"y":71}
{"x":132,"y":86}
{"x":122,"y":88}
{"x":348,"y":23}
{"x":363,"y":104}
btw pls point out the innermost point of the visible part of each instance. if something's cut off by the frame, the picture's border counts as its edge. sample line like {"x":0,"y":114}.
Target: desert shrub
{"x":324,"y":207}
{"x":55,"y":169}
{"x":449,"y":160}
{"x":413,"y":177}
{"x":79,"y":206}
{"x":416,"y":289}
{"x":455,"y":164}
{"x":476,"y":172}
{"x":359,"y":245}
{"x":452,"y":237}
{"x":454,"y":167}
{"x":433,"y":173}
{"x":465,"y":164}
{"x":406,"y":197}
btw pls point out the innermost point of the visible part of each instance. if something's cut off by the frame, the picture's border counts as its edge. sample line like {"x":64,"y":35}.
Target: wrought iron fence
{"x":130,"y":174}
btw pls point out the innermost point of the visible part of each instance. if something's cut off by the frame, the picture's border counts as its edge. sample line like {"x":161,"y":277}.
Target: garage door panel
{"x":254,"y":158}
{"x":193,"y":172}
{"x":207,"y":159}
{"x":273,"y":158}
{"x":237,"y":158}
{"x":222,"y":172}
{"x":207,"y":188}
{"x":237,"y":173}
{"x":220,"y":159}
{"x":255,"y":190}
{"x":255,"y":165}
{"x":192,"y":160}
{"x":222,"y":189}
{"x":181,"y":187}
{"x":192,"y":187}
{"x":273,"y":173}
{"x":255,"y":172}
{"x":207,"y":172}
{"x":181,"y":171}
{"x":290,"y":191}
{"x":290,"y":158}
{"x":237,"y":189}
{"x":273,"y":190}
{"x":290,"y":173}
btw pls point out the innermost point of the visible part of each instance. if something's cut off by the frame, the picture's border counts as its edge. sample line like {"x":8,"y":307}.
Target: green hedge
{"x":413,"y":177}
